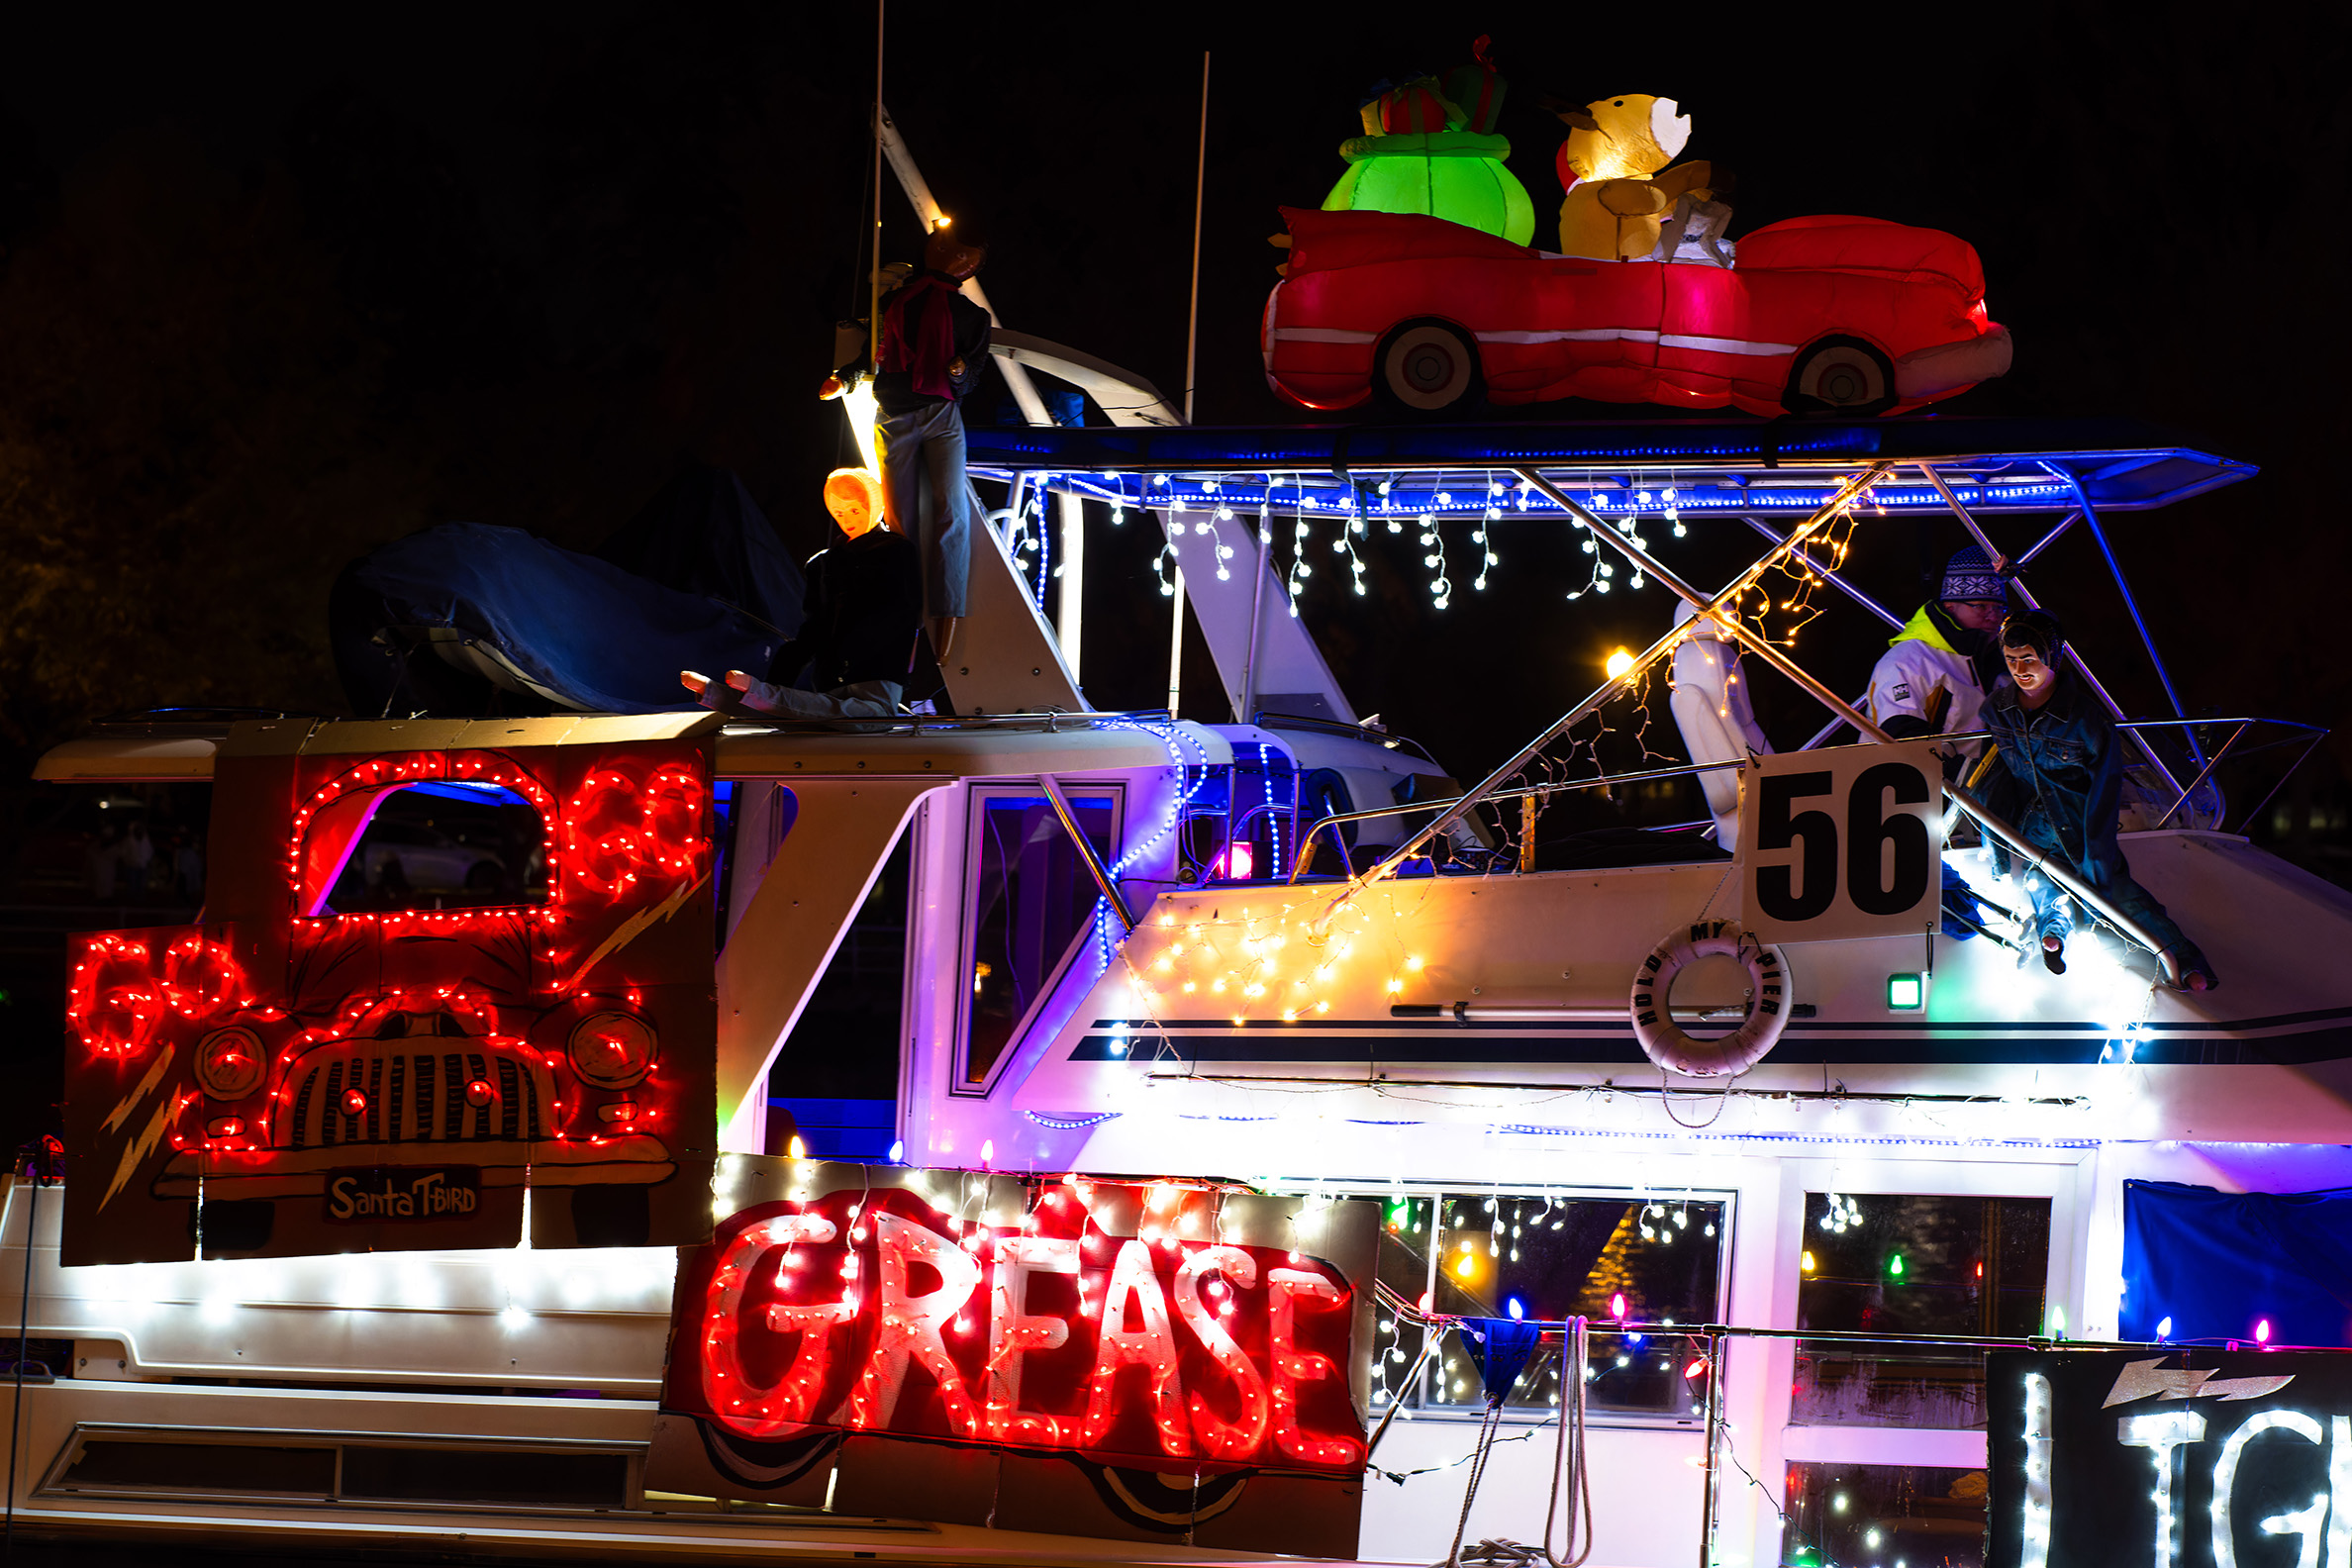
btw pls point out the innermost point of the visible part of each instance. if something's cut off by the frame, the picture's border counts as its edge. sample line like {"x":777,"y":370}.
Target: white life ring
{"x":1737,"y":1051}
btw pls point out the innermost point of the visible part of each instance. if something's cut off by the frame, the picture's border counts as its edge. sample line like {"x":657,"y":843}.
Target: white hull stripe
{"x":1732,"y":346}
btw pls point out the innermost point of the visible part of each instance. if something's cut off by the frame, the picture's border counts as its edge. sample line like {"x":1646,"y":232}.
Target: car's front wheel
{"x":1840,"y":376}
{"x":1426,"y":367}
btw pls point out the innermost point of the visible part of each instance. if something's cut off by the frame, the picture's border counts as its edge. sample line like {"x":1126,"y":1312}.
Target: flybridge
{"x":1727,"y":466}
{"x":1447,"y":483}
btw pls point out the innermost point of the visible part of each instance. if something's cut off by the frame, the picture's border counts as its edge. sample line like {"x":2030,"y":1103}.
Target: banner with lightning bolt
{"x":2196,"y":1458}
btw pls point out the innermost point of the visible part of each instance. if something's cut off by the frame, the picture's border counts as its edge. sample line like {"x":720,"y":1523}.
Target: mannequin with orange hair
{"x":864,"y":610}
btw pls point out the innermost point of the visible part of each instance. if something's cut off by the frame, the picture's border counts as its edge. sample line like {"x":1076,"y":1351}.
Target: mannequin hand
{"x":956,"y":367}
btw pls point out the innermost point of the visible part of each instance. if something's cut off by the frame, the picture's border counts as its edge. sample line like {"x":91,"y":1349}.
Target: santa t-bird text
{"x":368,"y":1196}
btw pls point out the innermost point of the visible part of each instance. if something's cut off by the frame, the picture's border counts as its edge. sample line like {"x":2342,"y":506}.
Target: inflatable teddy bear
{"x":1611,"y":163}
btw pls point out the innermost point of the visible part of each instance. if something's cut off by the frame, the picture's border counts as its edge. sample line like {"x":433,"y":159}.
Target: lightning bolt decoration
{"x":631,"y":930}
{"x":2151,"y":1379}
{"x":139,"y":1149}
{"x":145,"y":1087}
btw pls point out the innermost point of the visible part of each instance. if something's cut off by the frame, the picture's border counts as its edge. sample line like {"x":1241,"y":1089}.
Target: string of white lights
{"x":1352,"y":528}
{"x":1482,"y":535}
{"x":1163,"y":565}
{"x":1434,"y":542}
{"x":1030,"y":533}
{"x":1787,"y":1524}
{"x":1294,"y":582}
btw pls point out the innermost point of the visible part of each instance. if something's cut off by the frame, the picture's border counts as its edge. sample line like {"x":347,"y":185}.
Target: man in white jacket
{"x":1937,"y":671}
{"x":1933,"y":679}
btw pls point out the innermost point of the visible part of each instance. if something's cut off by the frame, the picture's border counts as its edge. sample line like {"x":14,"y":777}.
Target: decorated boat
{"x":1233,"y":1067}
{"x":1056,"y":1135}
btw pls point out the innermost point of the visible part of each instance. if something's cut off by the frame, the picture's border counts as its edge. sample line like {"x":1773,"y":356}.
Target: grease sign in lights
{"x":2192,"y":1459}
{"x":931,"y":1332}
{"x":888,"y":1314}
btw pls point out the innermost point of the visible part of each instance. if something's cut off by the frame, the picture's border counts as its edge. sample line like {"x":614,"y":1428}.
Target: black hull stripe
{"x":1613,"y":1045}
{"x":2222,"y":1029}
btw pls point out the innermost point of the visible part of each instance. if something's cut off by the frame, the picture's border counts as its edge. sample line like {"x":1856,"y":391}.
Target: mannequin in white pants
{"x":1711,"y":709}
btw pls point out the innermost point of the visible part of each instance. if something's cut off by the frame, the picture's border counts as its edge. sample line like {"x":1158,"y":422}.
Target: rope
{"x":1483,"y":1450}
{"x":1570,"y":1476}
{"x":1570,"y":1463}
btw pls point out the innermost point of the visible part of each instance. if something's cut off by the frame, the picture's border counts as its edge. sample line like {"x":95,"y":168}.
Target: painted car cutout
{"x":1840,"y":315}
{"x":297,"y":1078}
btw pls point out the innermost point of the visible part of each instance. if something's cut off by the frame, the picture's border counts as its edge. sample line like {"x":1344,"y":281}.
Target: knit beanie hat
{"x":1969,"y":574}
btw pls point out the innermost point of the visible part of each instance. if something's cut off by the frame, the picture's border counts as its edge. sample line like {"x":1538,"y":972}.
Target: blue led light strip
{"x":1189,"y":786}
{"x":1425,"y":492}
{"x":1070,"y":1123}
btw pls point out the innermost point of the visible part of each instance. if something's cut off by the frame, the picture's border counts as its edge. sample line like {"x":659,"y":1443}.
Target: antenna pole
{"x":1192,"y":331}
{"x":1176,"y":647}
{"x":1192,"y":348}
{"x":874,"y":292}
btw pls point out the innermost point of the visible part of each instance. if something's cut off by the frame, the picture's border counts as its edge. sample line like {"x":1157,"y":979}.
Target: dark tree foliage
{"x":270,"y":295}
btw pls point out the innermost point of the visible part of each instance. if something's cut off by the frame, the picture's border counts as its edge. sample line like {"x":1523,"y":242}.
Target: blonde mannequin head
{"x":854,"y":498}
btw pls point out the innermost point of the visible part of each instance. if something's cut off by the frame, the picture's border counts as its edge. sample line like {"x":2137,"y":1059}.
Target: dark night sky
{"x":278,"y":288}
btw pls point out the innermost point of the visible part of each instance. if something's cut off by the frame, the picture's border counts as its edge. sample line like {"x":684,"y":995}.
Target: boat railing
{"x":1525,"y":792}
{"x":1053,"y":720}
{"x":1268,"y":718}
{"x":1948,"y":1369}
{"x":2237,"y":726}
{"x":215,"y":723}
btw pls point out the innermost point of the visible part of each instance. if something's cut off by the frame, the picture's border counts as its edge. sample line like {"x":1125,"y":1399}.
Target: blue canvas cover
{"x":703,"y":534}
{"x":2218,"y":1264}
{"x":550,"y":624}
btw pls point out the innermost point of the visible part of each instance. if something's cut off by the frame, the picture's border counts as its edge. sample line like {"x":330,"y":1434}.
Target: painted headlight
{"x":229,"y":1063}
{"x":611,"y":1050}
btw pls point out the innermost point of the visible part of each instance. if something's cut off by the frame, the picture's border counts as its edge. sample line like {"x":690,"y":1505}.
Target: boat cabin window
{"x":429,"y":846}
{"x":1635,"y":1267}
{"x":1885,"y":1513}
{"x":1905,"y":1264}
{"x":834,"y":1084}
{"x":1032,"y":901}
{"x":211,"y":1461}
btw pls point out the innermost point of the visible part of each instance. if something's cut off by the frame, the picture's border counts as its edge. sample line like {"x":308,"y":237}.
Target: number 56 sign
{"x":1841,"y":842}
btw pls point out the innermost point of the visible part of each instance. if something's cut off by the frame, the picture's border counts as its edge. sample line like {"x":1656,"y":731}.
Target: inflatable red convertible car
{"x":1837,"y":315}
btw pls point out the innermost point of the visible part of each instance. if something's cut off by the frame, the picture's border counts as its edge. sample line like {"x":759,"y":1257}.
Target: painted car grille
{"x":412,"y":1096}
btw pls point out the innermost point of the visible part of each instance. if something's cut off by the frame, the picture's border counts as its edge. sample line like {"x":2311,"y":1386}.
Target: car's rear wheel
{"x":1840,"y":376}
{"x":1426,"y":367}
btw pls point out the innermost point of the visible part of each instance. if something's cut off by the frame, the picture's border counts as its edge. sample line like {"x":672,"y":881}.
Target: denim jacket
{"x":2060,"y":761}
